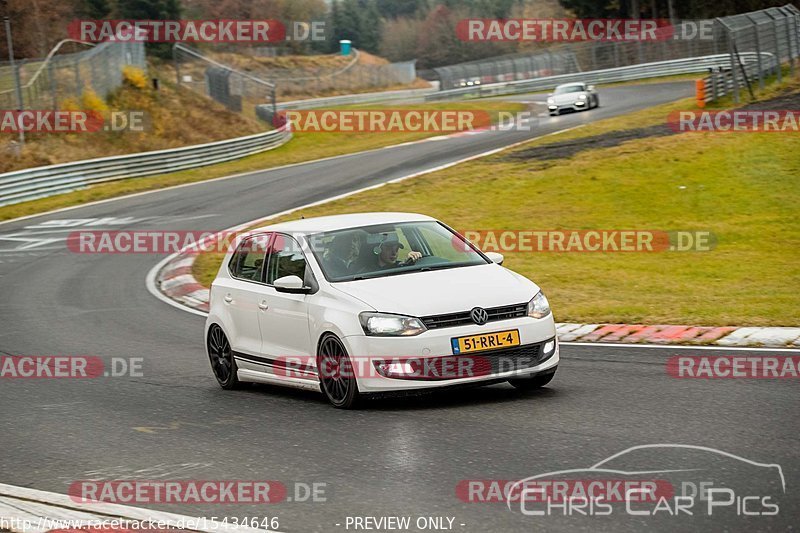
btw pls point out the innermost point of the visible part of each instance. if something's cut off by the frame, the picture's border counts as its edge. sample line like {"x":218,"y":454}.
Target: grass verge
{"x":741,"y":187}
{"x":303,"y":147}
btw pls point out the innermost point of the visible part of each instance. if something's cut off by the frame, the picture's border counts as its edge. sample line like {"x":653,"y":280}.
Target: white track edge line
{"x":239,"y":175}
{"x":681,"y":346}
{"x":150,"y":279}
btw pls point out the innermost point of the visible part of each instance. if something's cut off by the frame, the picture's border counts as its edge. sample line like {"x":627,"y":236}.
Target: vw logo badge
{"x":479,"y":316}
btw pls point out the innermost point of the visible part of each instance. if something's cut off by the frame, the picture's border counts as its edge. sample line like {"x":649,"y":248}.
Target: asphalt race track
{"x":394,"y":457}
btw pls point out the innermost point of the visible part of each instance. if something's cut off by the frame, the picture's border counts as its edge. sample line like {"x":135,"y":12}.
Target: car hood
{"x":442,"y":291}
{"x":567,"y":98}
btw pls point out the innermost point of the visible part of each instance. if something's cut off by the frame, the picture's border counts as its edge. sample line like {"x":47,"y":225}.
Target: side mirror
{"x":591,"y":87}
{"x":494,"y":257}
{"x":291,"y":285}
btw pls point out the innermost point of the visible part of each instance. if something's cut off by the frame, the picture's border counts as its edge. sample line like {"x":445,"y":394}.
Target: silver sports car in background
{"x":574,"y":96}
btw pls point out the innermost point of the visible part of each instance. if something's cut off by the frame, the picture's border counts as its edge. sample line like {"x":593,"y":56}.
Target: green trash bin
{"x":345,"y":46}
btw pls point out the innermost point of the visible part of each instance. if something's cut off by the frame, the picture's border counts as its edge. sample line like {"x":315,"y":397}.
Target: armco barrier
{"x":40,"y":182}
{"x":633,"y":72}
{"x":264,"y":111}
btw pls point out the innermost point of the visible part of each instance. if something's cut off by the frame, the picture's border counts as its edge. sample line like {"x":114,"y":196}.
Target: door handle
{"x":263,"y":305}
{"x":228,"y":298}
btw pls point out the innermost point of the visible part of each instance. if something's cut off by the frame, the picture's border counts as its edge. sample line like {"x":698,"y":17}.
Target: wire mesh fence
{"x":218,"y":74}
{"x":770,"y":36}
{"x":46,"y":83}
{"x":238,"y":91}
{"x":508,"y":68}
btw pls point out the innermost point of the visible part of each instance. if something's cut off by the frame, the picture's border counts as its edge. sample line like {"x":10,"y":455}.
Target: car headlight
{"x":581,"y":97}
{"x":551,"y":100}
{"x":387,"y":325}
{"x":539,"y":307}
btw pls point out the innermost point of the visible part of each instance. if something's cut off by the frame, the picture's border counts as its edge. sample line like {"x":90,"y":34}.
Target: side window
{"x":248,"y":260}
{"x":286,"y":259}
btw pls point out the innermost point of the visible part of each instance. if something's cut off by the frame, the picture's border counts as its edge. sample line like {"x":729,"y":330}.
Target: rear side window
{"x":286,"y":259}
{"x":248,"y":261}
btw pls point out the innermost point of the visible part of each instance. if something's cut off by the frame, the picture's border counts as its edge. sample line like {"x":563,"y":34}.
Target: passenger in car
{"x":339,"y":255}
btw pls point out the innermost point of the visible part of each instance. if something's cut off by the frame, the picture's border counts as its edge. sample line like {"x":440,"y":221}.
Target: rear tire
{"x":221,"y":357}
{"x":336,"y":374}
{"x":536,"y":382}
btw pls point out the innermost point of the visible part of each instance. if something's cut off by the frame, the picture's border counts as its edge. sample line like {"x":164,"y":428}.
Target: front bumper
{"x":574,"y":106}
{"x":432,"y":353}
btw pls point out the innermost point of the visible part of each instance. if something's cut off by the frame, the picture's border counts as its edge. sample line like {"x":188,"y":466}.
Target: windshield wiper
{"x":407,"y":271}
{"x":439,"y":267}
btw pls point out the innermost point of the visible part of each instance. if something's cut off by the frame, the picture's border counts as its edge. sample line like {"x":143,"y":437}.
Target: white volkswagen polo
{"x":365,"y":304}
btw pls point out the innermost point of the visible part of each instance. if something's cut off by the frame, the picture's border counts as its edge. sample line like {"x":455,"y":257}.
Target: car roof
{"x":338,"y":222}
{"x":570,"y":84}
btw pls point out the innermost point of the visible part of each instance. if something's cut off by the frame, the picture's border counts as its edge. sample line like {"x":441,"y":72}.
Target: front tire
{"x":221,"y":357}
{"x":336,"y":375}
{"x":536,"y":382}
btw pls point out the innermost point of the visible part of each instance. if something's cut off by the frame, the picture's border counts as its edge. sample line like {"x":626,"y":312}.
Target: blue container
{"x":345,"y":46}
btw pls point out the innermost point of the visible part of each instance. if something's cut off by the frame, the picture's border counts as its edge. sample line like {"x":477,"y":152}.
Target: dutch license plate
{"x":485,"y":341}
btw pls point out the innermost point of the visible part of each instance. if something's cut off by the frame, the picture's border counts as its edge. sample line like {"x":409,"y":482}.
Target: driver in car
{"x":387,"y":253}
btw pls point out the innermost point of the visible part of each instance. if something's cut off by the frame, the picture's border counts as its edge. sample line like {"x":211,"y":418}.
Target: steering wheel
{"x":424,"y":260}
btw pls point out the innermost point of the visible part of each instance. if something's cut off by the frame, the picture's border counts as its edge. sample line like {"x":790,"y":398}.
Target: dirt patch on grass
{"x":570,"y":148}
{"x":789,"y":100}
{"x":565,"y":149}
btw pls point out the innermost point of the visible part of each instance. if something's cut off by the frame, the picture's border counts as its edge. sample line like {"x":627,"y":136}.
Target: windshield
{"x":389,"y":249}
{"x":570,"y":89}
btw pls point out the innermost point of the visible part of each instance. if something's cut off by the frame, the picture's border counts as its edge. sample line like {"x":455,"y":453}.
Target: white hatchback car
{"x":374,"y":303}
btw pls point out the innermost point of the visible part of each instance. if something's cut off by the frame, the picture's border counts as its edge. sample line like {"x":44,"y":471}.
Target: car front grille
{"x":509,"y":359}
{"x":463,"y":318}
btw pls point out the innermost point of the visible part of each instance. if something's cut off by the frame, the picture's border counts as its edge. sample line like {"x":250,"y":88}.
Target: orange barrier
{"x":700,"y":92}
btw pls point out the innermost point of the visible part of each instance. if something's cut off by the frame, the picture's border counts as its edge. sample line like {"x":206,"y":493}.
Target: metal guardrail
{"x":264,"y":111}
{"x":721,"y":82}
{"x":363,"y":98}
{"x":629,"y":73}
{"x":40,"y":182}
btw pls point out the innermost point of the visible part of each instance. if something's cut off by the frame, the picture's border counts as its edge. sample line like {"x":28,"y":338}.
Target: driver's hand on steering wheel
{"x":413,"y":257}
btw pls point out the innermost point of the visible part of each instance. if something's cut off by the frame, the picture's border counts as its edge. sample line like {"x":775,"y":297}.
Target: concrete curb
{"x":175,"y":281}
